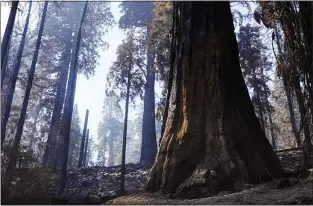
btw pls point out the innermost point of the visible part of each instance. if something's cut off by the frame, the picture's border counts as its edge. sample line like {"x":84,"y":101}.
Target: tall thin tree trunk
{"x":15,"y":147}
{"x":4,"y":65}
{"x":212,"y":136}
{"x":50,"y":150}
{"x":82,"y":144}
{"x":68,"y":108}
{"x":291,"y":112}
{"x":86,"y":149}
{"x":9,"y":98}
{"x":123,"y":169}
{"x":149,"y":145}
{"x":7,"y":35}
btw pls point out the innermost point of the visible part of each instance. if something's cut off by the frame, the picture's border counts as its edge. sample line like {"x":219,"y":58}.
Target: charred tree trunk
{"x":123,"y":169}
{"x":291,"y":112}
{"x":68,"y":109}
{"x":86,"y":149}
{"x":212,"y":136}
{"x":82,"y":145}
{"x":9,"y":98}
{"x":50,"y":150}
{"x":7,"y":36}
{"x":149,"y":145}
{"x":13,"y":156}
{"x":111,"y":153}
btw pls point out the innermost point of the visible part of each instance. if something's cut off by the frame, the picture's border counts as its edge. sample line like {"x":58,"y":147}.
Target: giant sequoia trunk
{"x":16,"y":69}
{"x":149,"y":145}
{"x":50,"y":150}
{"x":212,"y":135}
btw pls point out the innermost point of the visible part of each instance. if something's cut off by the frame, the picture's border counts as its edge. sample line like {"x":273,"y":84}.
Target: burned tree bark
{"x":212,"y":135}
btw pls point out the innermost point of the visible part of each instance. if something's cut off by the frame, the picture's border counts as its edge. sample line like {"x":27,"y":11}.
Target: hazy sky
{"x":90,"y":93}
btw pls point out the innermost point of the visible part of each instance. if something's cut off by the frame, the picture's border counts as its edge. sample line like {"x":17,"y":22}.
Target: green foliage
{"x":254,"y":63}
{"x":159,"y":39}
{"x":129,"y":59}
{"x":60,"y":30}
{"x":160,"y":47}
{"x":67,"y":18}
{"x":135,"y":14}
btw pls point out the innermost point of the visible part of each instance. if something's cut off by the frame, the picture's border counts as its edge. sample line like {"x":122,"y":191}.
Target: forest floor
{"x":92,"y":185}
{"x":267,"y":193}
{"x":100,"y":185}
